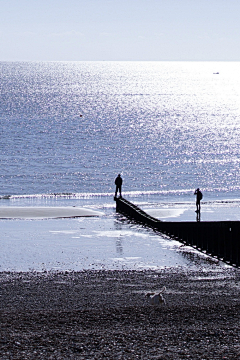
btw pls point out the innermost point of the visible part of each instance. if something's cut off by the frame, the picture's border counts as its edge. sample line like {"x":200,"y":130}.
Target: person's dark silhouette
{"x":198,"y":199}
{"x":118,"y":183}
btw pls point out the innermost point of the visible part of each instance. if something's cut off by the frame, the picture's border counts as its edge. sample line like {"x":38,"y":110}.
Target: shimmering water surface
{"x":167,"y":127}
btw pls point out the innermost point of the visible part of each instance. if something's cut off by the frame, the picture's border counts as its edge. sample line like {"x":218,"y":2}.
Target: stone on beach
{"x":105,"y":314}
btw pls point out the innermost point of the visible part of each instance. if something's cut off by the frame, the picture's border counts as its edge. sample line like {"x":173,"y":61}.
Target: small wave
{"x":92,"y":195}
{"x":133,"y":194}
{"x":5,"y":197}
{"x":57,"y":195}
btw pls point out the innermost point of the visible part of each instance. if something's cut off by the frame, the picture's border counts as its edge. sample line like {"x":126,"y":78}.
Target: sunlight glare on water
{"x":163,"y":125}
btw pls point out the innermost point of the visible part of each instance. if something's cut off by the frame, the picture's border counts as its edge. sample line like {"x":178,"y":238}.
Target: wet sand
{"x":105,"y":315}
{"x":45,"y":212}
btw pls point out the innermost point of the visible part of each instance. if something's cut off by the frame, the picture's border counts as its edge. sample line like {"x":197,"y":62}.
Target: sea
{"x":69,"y":128}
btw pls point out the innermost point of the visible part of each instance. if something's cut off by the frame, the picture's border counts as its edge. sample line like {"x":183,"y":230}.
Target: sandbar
{"x":32,"y":212}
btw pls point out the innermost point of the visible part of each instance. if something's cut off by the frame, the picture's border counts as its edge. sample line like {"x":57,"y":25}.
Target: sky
{"x":119,"y":30}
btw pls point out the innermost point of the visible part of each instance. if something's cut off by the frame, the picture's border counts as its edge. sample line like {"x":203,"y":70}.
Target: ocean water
{"x":68,"y":128}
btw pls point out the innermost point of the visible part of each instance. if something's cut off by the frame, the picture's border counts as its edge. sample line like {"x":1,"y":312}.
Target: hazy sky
{"x":119,"y":30}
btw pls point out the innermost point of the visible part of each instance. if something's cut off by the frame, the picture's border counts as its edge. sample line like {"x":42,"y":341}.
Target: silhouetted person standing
{"x":198,"y":199}
{"x":118,"y":183}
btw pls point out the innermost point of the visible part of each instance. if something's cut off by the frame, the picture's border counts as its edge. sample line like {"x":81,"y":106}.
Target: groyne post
{"x":220,"y":239}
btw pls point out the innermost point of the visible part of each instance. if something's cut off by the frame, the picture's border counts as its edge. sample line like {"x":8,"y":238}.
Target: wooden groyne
{"x":220,"y":239}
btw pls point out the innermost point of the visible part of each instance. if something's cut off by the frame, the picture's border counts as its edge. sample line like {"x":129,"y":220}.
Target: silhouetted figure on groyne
{"x":199,"y":197}
{"x":118,"y":183}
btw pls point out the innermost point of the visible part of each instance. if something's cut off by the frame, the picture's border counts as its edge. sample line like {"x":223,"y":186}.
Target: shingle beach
{"x":105,"y":315}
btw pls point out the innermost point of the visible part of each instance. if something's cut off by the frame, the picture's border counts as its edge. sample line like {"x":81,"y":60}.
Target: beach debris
{"x":156,"y":299}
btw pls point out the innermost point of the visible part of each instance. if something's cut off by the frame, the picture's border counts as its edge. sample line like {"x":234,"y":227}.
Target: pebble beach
{"x":106,"y":315}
